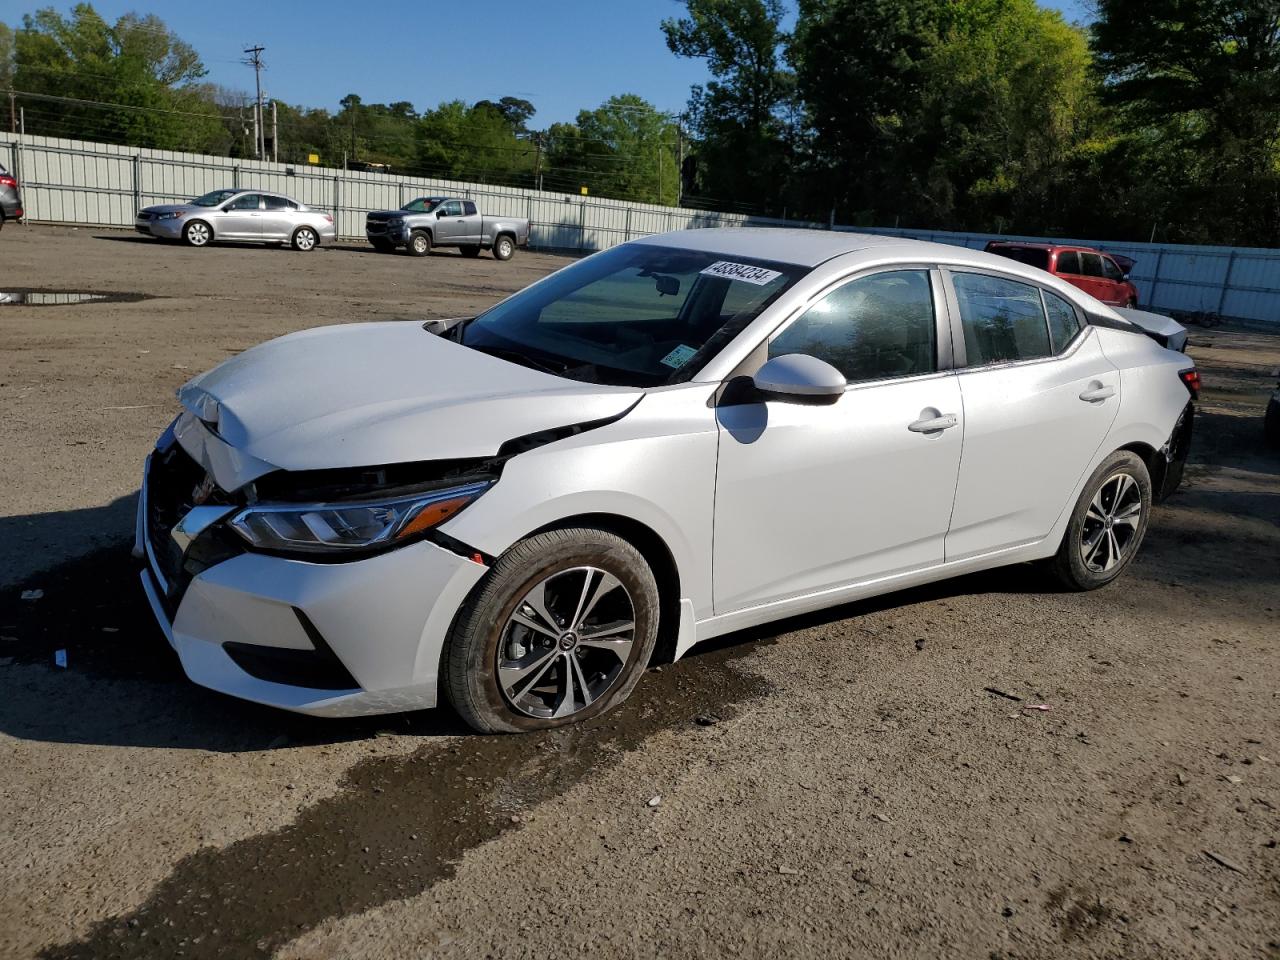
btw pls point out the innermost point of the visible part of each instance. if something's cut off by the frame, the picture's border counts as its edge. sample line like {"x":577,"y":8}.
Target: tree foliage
{"x":741,"y":116}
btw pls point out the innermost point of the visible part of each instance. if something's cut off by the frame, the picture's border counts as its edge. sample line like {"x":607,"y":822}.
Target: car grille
{"x":146,"y":216}
{"x":172,"y":484}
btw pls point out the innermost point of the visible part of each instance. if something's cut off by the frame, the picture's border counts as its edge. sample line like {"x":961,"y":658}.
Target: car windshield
{"x":635,"y":315}
{"x":214,"y":198}
{"x":422,"y":205}
{"x":1031,"y":256}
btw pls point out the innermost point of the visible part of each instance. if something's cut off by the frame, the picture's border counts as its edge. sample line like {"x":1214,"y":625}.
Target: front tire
{"x":504,"y":248}
{"x":1107,"y":524}
{"x":419,"y":244}
{"x":560,"y":630}
{"x":197,"y":233}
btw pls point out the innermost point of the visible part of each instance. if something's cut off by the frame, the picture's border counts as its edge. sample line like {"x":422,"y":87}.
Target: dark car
{"x":1101,"y":274}
{"x":10,"y":199}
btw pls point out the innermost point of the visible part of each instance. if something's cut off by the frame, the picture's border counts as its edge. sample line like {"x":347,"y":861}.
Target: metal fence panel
{"x":72,"y":181}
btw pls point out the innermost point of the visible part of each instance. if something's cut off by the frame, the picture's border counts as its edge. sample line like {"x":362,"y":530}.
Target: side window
{"x":1091,"y":264}
{"x":1064,"y":323}
{"x":468,"y":208}
{"x":1003,"y":320}
{"x":869,"y":329}
{"x":250,"y":201}
{"x":452,"y":209}
{"x":1069,"y":262}
{"x":1110,"y":270}
{"x":278,"y":203}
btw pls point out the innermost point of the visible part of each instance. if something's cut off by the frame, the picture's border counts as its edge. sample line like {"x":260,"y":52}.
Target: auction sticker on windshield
{"x":679,"y":356}
{"x":741,"y":271}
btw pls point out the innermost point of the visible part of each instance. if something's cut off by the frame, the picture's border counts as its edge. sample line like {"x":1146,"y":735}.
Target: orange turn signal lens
{"x":432,"y":515}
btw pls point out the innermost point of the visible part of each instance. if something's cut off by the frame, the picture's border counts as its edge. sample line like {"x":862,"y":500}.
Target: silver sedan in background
{"x":251,"y":215}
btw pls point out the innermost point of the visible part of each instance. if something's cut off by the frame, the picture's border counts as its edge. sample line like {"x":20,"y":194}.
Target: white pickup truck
{"x":445,"y":222}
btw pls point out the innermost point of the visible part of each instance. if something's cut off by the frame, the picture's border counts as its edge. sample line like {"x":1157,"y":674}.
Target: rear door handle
{"x":934,"y":424}
{"x":1097,"y":393}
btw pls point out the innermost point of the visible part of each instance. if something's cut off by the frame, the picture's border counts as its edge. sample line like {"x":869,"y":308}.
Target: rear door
{"x":241,"y":219}
{"x":1039,"y":397}
{"x":1067,"y":266}
{"x":472,"y":223}
{"x":1113,"y":283}
{"x":279,"y":217}
{"x":1094,"y":281}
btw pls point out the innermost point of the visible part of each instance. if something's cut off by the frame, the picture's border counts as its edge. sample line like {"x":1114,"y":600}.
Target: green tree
{"x":624,"y":149}
{"x":942,"y":113}
{"x":741,"y":117}
{"x":137,"y":63}
{"x":1197,"y":91}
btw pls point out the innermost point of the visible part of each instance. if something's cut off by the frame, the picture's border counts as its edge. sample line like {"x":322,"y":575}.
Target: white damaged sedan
{"x":675,"y":438}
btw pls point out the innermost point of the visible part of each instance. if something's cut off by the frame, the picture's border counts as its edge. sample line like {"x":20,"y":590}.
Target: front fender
{"x":655,"y":466}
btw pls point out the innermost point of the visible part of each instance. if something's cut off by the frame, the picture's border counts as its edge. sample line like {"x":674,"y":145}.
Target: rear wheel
{"x":471,"y":250}
{"x":419,"y":244}
{"x":560,"y":630}
{"x":1107,"y":525}
{"x":504,"y":247}
{"x":197,"y":234}
{"x":304,"y":238}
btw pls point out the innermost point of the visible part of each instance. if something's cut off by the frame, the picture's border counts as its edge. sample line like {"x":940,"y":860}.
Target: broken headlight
{"x":358,"y":525}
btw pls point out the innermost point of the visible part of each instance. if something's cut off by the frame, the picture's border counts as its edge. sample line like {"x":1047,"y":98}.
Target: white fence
{"x":71,"y":181}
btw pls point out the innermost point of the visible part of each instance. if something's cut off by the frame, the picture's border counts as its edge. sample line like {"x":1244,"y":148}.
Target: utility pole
{"x":255,"y":61}
{"x":679,"y":160}
{"x":275,"y":138}
{"x":13,"y":112}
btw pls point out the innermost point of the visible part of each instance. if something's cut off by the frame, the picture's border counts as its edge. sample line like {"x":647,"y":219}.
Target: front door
{"x":451,"y":225}
{"x":241,"y":219}
{"x":810,"y":498}
{"x":1039,"y":398}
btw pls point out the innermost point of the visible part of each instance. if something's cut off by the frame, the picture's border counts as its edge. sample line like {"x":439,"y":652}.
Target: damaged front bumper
{"x":345,"y":638}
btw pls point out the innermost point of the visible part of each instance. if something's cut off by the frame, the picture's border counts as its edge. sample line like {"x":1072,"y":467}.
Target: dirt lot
{"x":852,"y":788}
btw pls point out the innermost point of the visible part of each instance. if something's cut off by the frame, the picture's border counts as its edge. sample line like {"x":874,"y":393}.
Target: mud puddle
{"x":62,"y":298}
{"x":398,"y":826}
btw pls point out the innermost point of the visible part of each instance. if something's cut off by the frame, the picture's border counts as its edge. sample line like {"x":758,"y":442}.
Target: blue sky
{"x":563,"y":55}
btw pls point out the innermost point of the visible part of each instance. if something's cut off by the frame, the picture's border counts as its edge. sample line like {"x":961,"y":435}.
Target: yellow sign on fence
{"x":583,"y":188}
{"x":313,"y":158}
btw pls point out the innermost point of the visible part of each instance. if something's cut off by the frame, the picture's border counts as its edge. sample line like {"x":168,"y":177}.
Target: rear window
{"x":1031,"y":256}
{"x":1090,"y":264}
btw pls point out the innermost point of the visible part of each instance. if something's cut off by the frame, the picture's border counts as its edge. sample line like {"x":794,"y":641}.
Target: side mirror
{"x":439,"y":214}
{"x":799,"y":378}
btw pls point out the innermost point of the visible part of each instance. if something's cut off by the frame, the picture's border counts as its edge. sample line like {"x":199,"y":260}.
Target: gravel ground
{"x":840,"y":785}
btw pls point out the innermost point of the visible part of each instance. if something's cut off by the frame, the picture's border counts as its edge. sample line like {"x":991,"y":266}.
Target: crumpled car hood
{"x":369,"y":394}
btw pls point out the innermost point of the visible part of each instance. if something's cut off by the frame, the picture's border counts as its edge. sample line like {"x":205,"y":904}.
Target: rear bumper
{"x":170,"y":229}
{"x":278,"y":631}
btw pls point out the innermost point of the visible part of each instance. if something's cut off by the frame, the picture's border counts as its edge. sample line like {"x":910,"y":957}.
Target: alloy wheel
{"x":305,"y":239}
{"x":566,"y":643}
{"x":197,"y":234}
{"x":1111,"y":523}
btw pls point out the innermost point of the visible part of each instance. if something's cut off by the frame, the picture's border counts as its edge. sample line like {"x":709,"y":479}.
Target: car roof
{"x":1033,"y":245}
{"x":801,"y":248}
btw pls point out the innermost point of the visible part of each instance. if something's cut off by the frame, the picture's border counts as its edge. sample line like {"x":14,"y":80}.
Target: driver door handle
{"x":1097,"y":393}
{"x":934,"y":424}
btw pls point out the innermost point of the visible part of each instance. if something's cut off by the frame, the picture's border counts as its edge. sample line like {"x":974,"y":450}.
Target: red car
{"x":1095,"y":272}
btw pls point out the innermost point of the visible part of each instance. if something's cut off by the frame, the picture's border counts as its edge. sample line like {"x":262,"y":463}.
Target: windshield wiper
{"x":524,"y":360}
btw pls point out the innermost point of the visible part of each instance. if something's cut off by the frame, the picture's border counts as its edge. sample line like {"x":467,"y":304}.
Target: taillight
{"x":8,"y":181}
{"x":1191,"y":380}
